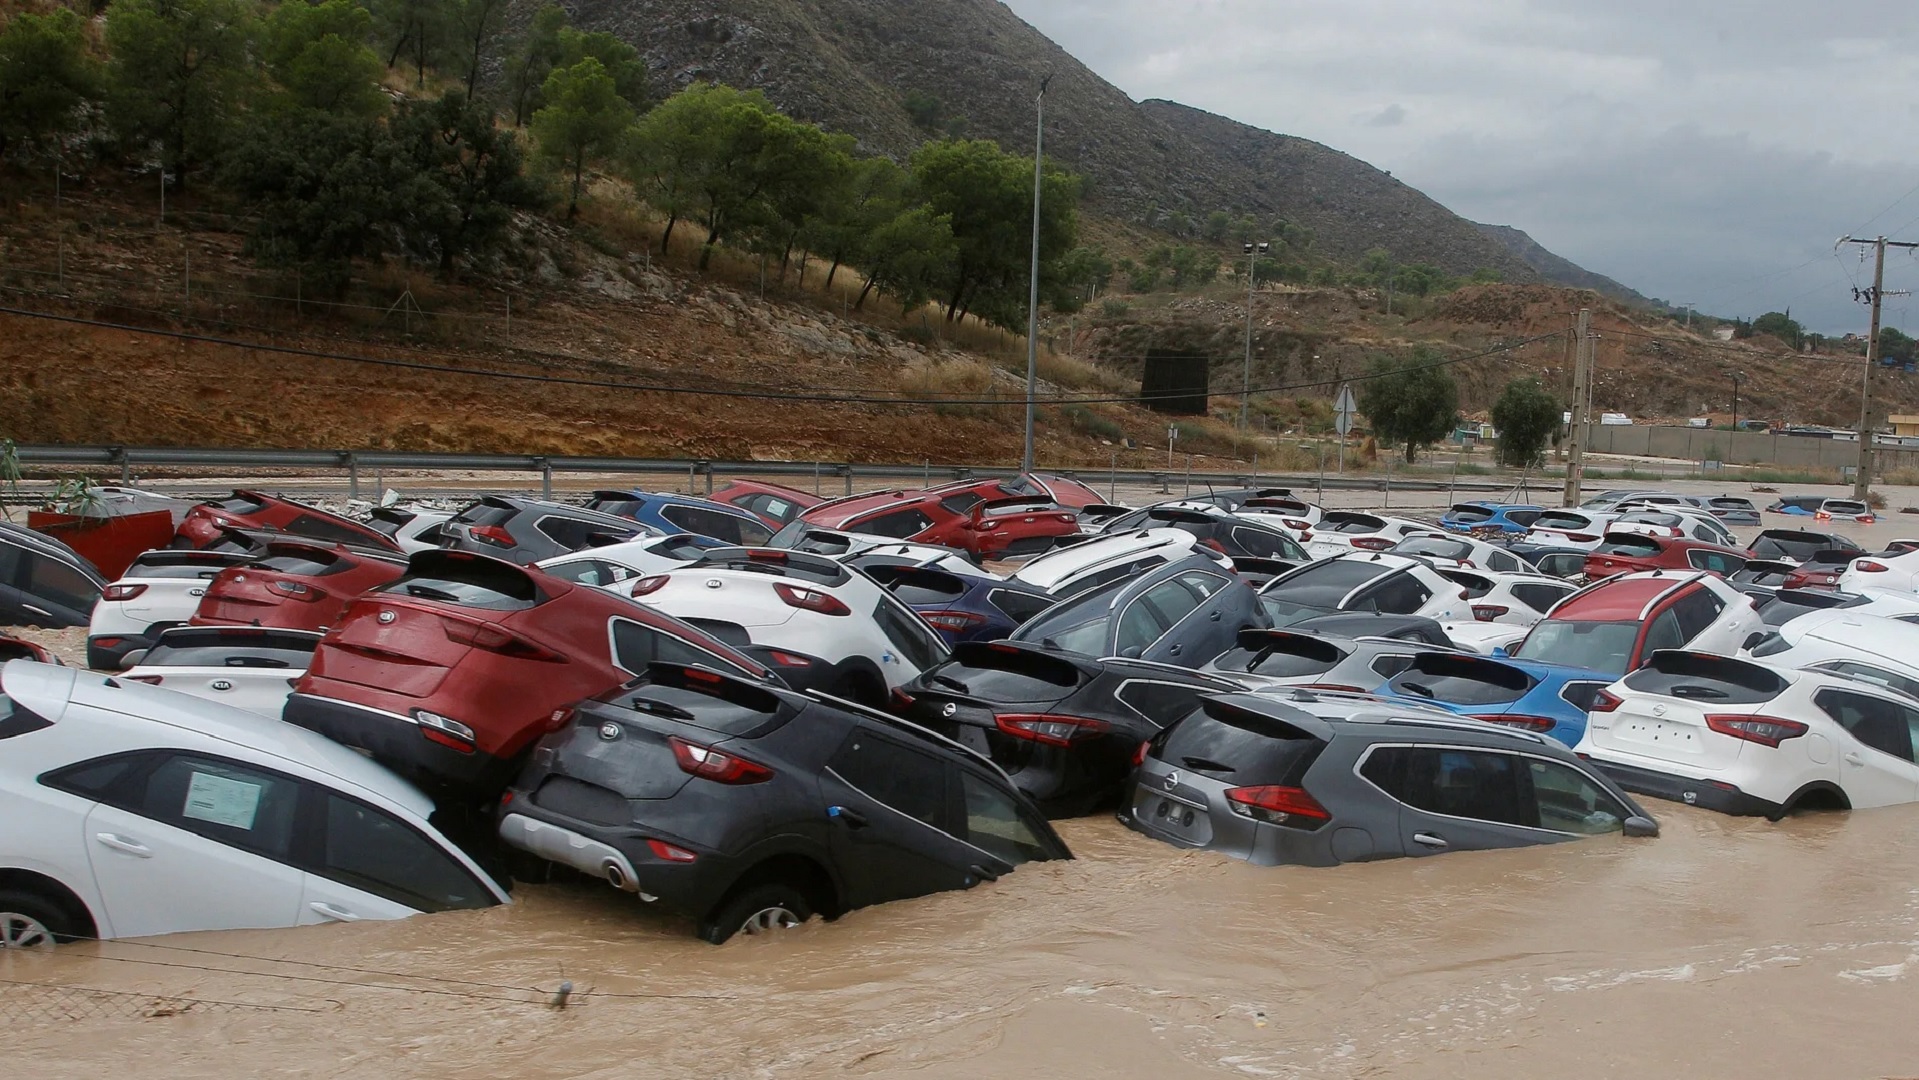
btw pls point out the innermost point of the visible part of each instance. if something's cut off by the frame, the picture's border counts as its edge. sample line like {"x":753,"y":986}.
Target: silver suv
{"x":1318,"y":779}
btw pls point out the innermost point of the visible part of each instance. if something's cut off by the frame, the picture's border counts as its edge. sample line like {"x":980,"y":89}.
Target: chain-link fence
{"x":48,"y":1003}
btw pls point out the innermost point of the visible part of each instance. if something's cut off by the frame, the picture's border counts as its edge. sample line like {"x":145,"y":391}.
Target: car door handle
{"x":336,"y":914}
{"x":38,"y":611}
{"x":847,"y":816}
{"x":982,"y":873}
{"x":1854,"y":759}
{"x":1429,"y":840}
{"x":1214,"y":616}
{"x":122,"y":844}
{"x":1175,"y":650}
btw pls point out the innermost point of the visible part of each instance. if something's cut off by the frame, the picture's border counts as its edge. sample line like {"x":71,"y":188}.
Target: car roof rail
{"x":781,"y":561}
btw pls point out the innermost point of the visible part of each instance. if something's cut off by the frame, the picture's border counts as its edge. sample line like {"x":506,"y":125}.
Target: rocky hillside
{"x":1558,"y":270}
{"x":851,"y":64}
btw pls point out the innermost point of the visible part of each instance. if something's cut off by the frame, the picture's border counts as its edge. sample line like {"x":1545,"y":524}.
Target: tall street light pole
{"x":1032,"y":297}
{"x":1253,"y":252}
{"x":1862,"y":480}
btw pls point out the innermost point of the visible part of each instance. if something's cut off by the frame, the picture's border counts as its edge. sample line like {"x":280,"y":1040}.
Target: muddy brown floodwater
{"x":1726,"y":947}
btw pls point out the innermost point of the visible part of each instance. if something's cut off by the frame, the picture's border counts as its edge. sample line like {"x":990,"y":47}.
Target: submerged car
{"x":132,"y":810}
{"x":1318,"y":779}
{"x":1103,"y":560}
{"x":1631,"y":552}
{"x":1509,"y":518}
{"x":1062,"y":725}
{"x":526,"y":531}
{"x":1395,"y":584}
{"x":1613,"y":626}
{"x":775,"y":504}
{"x":752,"y":808}
{"x":1273,"y":659}
{"x":1183,"y":613}
{"x":963,"y":606}
{"x":1550,"y":699}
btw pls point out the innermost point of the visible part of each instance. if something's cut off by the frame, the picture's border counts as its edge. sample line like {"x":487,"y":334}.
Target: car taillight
{"x":1518,"y":720}
{"x":491,"y":534}
{"x":1582,"y":538}
{"x":1864,"y":566}
{"x":787,"y":659}
{"x":1296,"y":524}
{"x":444,"y":730}
{"x":1605,"y":701}
{"x":122,"y":592}
{"x":649,"y":585}
{"x":670,"y":852}
{"x":901,"y":699}
{"x":1278,"y":805}
{"x":1214,"y":544}
{"x":1764,"y":730}
{"x":716,"y":765}
{"x":1373,"y":543}
{"x":813,"y":600}
{"x":296,"y":590}
{"x":956,"y":621}
{"x":150,"y":680}
{"x":495,"y":640}
{"x":1140,"y":752}
{"x":1489,"y":612}
{"x":1048,"y":728}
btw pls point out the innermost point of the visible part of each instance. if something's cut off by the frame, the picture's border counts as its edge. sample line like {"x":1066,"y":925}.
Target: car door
{"x":891,"y":805}
{"x":1455,"y":798}
{"x":48,"y":592}
{"x":1178,"y":608}
{"x":365,"y":863}
{"x":187,"y":841}
{"x":1876,"y":757}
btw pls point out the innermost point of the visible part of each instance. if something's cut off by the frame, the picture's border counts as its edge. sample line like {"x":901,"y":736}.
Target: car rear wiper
{"x":1205,"y":765}
{"x":1693,"y":690}
{"x":428,"y":592}
{"x":1417,"y":688}
{"x":947,"y":680}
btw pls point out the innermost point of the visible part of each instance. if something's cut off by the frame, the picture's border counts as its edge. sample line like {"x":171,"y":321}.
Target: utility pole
{"x":1253,"y":252}
{"x":1032,"y":299}
{"x":1862,"y":480}
{"x":1580,"y":427}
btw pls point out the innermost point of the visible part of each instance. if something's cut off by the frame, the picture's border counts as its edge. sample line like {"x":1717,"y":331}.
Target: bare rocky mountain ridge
{"x":848,"y":64}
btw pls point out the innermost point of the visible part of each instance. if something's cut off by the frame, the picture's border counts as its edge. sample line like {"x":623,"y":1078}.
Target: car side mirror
{"x":133,"y":658}
{"x":1500,"y":650}
{"x":1131,"y":652}
{"x":1640,"y":825}
{"x":1753,"y":639}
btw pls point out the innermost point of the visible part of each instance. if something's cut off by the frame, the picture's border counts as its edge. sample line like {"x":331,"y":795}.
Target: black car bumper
{"x":1705,"y":794}
{"x":397,"y":742}
{"x":109,"y":652}
{"x":620,"y":856}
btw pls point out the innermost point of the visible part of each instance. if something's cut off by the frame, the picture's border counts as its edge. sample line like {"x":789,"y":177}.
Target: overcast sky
{"x":1695,"y":150}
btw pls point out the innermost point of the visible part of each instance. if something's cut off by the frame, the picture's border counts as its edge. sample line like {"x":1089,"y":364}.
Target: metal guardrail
{"x":126,"y":458}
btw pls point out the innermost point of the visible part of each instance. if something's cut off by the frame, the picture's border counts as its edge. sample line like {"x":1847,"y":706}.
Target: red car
{"x":295,"y":585}
{"x":205,"y":523}
{"x":775,"y":504}
{"x":1061,"y":490}
{"x":449,"y":674}
{"x":1628,"y":553}
{"x":987,"y":529}
{"x":13,"y":648}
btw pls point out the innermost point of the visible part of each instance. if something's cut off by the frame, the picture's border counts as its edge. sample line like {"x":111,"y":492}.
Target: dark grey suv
{"x":752,"y":807}
{"x":524,"y":531}
{"x":1182,"y":613}
{"x":1319,"y":779}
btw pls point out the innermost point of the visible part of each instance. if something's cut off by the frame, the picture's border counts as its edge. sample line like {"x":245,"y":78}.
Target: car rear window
{"x":199,"y":568}
{"x":303,"y":563}
{"x":1459,"y":680}
{"x":1844,"y":506}
{"x":1326,"y":584}
{"x":1283,"y":656}
{"x":1238,"y":746}
{"x":237,"y":503}
{"x":1561,"y":519}
{"x":1019,"y":606}
{"x":275,"y":651}
{"x":915,"y":586}
{"x":1639,"y":547}
{"x":469,"y":581}
{"x":727,"y":710}
{"x":1731,"y":504}
{"x":1710,"y":680}
{"x":1469,"y":512}
{"x":1350,"y":523}
{"x":1002,"y":674}
{"x":485,"y":513}
{"x":1797,"y":546}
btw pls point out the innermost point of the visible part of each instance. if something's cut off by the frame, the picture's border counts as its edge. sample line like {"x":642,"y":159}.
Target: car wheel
{"x":758,"y":909}
{"x":28,"y":921}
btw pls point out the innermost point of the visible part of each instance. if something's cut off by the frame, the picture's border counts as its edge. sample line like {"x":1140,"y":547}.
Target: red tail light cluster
{"x":957,"y":622}
{"x":1489,"y":612}
{"x":444,"y":730}
{"x":648,"y":585}
{"x":823,"y":603}
{"x":1048,"y":728}
{"x":1277,"y":805}
{"x":1524,"y":721}
{"x":1295,"y":524}
{"x":1214,"y":544}
{"x":491,"y":534}
{"x":716,"y":765}
{"x":1864,"y":566}
{"x":1764,"y":730}
{"x":1605,"y":701}
{"x":1582,"y":538}
{"x":150,"y":680}
{"x":1139,"y":753}
{"x":122,"y":592}
{"x":1373,"y":543}
{"x":670,"y":852}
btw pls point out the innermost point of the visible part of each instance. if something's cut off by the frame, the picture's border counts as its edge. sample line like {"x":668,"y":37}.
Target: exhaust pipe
{"x":614,"y":875}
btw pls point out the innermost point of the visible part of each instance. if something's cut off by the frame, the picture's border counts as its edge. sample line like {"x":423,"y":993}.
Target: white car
{"x":1743,"y":737}
{"x":414,"y":528}
{"x":160,"y":589}
{"x":930,"y":556}
{"x":1394,"y":584}
{"x":1461,"y":551}
{"x":608,"y":566}
{"x":1069,"y":571}
{"x":1889,"y":573}
{"x":1883,"y":647}
{"x":1286,"y":659}
{"x":1513,"y":599}
{"x":1676,"y":522}
{"x":1582,"y":529}
{"x":128,"y":810}
{"x":251,"y":668}
{"x":1291,"y":515}
{"x":1342,"y":531}
{"x":811,"y":605}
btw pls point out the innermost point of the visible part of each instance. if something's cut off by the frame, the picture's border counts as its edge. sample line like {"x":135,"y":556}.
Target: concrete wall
{"x":1743,"y":447}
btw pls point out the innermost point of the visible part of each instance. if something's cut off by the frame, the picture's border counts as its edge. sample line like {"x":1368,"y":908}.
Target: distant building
{"x":1723,"y":333}
{"x":1904,"y":425}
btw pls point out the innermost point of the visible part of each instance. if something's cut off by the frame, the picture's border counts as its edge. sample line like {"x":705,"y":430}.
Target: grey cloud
{"x":1390,"y":116}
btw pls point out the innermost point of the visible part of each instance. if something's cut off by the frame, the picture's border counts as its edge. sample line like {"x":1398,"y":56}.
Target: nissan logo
{"x":610,"y":731}
{"x":387,"y":617}
{"x":1172,"y":780}
{"x":948,"y":710}
{"x":1659,"y":710}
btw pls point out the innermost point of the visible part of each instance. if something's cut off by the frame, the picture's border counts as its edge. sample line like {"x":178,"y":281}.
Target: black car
{"x":1560,"y":562}
{"x":43,"y":582}
{"x":1063,"y":726}
{"x":752,"y":808}
{"x":524,"y":531}
{"x":1798,"y":545}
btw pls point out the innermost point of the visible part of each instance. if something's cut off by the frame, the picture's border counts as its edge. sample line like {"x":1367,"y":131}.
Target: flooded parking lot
{"x":1725,"y":947}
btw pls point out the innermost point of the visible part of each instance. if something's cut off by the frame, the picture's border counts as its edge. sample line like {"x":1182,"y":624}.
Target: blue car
{"x":961,"y":606}
{"x":1514,"y":518}
{"x":685,"y":514}
{"x":1551,"y":699}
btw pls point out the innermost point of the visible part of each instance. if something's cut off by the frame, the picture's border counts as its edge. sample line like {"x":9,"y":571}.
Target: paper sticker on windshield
{"x":233,"y":803}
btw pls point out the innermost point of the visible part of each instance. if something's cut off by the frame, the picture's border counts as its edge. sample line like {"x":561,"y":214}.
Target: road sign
{"x":1343,"y":409}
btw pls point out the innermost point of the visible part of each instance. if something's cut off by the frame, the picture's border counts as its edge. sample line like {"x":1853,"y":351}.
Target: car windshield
{"x":1561,"y":519}
{"x":1284,"y":612}
{"x":1599,"y":646}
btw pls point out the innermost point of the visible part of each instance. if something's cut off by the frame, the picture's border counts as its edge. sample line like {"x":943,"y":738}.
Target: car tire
{"x":756,"y":909}
{"x":29,"y":920}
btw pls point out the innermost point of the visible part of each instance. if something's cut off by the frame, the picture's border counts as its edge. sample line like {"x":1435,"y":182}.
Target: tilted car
{"x":1614,"y":625}
{"x":1395,"y":584}
{"x":161,"y":589}
{"x":207,"y":522}
{"x":43,"y":582}
{"x":1879,"y":647}
{"x":1461,"y":551}
{"x":826,"y":627}
{"x":752,"y":808}
{"x":295,"y":585}
{"x":1103,"y":560}
{"x":1797,"y":545}
{"x":449,"y":674}
{"x":1183,"y":613}
{"x":1232,"y":535}
{"x":411,"y":528}
{"x":1510,"y":518}
{"x":953,"y":516}
{"x":1822,"y":570}
{"x":132,"y":811}
{"x":669,"y":513}
{"x":775,"y":504}
{"x":1631,"y":553}
{"x":1582,"y":529}
{"x":1273,"y":659}
{"x":13,"y":648}
{"x":963,"y":606}
{"x":1549,"y":699}
{"x":1897,"y":572}
{"x":1518,"y":600}
{"x":1315,"y":779}
{"x":1063,"y":725}
{"x":1745,"y":737}
{"x":609,"y":566}
{"x":1343,"y":531}
{"x":247,"y":668}
{"x":932,"y":556}
{"x":527,"y":531}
